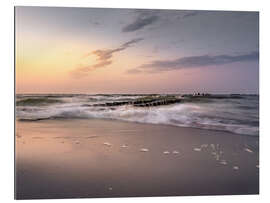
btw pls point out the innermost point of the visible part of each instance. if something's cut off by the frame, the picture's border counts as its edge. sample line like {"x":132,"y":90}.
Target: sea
{"x":237,"y":114}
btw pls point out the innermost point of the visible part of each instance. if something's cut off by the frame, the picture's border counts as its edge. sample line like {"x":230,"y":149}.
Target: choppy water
{"x":234,"y":114}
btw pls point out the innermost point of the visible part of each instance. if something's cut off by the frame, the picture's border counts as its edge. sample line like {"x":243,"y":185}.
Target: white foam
{"x":212,"y":146}
{"x":223,"y":162}
{"x":107,"y":144}
{"x":248,"y":150}
{"x":204,"y":145}
{"x":144,"y":150}
{"x":166,"y":152}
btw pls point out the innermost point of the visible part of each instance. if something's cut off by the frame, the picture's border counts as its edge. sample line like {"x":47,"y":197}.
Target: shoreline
{"x":136,"y":122}
{"x":105,"y":158}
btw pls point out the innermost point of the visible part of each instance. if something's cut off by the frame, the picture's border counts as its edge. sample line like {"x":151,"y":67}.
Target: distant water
{"x":234,"y":114}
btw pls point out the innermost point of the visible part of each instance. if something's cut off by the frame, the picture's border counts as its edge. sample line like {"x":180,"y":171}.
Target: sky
{"x":103,"y":50}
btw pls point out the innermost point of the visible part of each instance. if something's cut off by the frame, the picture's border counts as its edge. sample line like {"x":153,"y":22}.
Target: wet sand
{"x":103,"y":158}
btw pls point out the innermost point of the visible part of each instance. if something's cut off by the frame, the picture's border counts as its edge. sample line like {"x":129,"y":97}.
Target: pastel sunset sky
{"x":96,"y":50}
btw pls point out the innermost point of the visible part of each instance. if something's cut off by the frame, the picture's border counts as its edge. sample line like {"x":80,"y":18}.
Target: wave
{"x":36,"y":101}
{"x":225,"y":116}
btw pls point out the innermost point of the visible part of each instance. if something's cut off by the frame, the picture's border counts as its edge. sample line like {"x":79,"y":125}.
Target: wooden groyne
{"x":145,"y":101}
{"x":160,"y":100}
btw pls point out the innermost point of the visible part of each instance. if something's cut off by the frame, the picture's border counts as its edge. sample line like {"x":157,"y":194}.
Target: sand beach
{"x":82,"y":158}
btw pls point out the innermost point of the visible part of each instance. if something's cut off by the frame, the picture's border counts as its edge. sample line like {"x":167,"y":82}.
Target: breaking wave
{"x":237,"y":115}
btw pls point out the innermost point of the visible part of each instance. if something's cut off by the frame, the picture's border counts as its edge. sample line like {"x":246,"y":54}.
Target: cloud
{"x":140,"y":23}
{"x":104,"y":58}
{"x":134,"y":71}
{"x":194,"y":61}
{"x":190,"y":13}
{"x":148,"y":17}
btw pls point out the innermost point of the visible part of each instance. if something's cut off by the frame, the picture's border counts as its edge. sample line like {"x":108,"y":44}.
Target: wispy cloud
{"x":190,"y":13}
{"x":194,"y":61}
{"x":140,"y":22}
{"x":104,"y":58}
{"x":105,"y":55}
{"x":148,"y":17}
